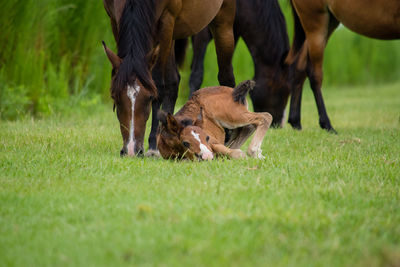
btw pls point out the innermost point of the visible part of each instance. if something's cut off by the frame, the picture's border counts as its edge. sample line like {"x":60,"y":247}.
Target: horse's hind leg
{"x":316,"y":74}
{"x":222,"y":31}
{"x":317,"y":32}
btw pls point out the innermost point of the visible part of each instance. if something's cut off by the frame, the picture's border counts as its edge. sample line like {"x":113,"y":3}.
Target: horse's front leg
{"x":167,"y":81}
{"x":160,"y":75}
{"x":199,"y":42}
{"x":222,"y":30}
{"x":153,"y":151}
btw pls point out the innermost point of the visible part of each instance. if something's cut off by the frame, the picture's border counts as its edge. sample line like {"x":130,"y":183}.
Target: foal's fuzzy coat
{"x":201,"y":125}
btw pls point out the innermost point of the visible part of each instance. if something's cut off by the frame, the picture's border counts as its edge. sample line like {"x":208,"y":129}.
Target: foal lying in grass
{"x":215,"y":121}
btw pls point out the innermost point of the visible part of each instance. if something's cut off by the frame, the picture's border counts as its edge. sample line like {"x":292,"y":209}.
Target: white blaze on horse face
{"x":132,"y":93}
{"x":205,"y":153}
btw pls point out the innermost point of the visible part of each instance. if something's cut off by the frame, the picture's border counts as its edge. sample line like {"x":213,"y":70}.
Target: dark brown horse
{"x":143,"y":27}
{"x":198,"y":129}
{"x":262,"y":26}
{"x":315,"y":20}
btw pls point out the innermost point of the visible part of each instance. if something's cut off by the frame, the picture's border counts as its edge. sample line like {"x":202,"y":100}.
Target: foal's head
{"x":132,"y":103}
{"x":196,"y":141}
{"x":183,"y":139}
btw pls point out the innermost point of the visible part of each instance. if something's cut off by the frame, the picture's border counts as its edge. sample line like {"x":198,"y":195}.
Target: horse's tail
{"x":180,"y":51}
{"x":298,"y":38}
{"x":240,"y":92}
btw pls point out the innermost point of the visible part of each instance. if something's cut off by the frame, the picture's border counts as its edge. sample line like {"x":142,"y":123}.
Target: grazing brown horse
{"x":145,"y":31}
{"x":262,"y":27}
{"x":315,"y":20}
{"x":198,"y":129}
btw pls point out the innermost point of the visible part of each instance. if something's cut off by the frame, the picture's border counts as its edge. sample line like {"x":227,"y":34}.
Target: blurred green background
{"x":51,"y":59}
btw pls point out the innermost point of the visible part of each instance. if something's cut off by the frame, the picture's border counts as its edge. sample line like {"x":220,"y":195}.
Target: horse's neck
{"x":265,"y":52}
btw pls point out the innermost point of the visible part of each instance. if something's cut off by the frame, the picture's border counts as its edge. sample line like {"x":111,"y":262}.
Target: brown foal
{"x":198,"y":129}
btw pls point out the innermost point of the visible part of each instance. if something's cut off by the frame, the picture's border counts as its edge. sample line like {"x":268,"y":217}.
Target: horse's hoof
{"x":326,"y":125}
{"x":332,"y":131}
{"x":328,"y":128}
{"x":151,"y":153}
{"x":295,"y":125}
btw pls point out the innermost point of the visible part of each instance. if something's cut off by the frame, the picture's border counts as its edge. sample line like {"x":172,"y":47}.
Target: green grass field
{"x":318,"y":199}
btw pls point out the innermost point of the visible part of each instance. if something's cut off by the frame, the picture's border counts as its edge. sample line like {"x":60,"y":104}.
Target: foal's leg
{"x":261,"y":121}
{"x":244,"y":133}
{"x":200,"y":42}
{"x":232,"y":153}
{"x":222,"y":31}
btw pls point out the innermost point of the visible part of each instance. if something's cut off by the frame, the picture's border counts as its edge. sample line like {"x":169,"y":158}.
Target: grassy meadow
{"x":68,"y":199}
{"x":318,"y":199}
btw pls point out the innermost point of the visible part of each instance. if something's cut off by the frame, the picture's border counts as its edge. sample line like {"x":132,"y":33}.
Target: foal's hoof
{"x":151,"y":153}
{"x":255,"y":153}
{"x":238,"y":154}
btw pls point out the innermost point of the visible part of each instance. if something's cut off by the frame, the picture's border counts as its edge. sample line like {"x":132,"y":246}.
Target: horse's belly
{"x":381,"y":20}
{"x":195,"y":16}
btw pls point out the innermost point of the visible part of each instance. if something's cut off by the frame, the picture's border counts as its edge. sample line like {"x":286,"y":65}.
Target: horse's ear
{"x":199,"y":120}
{"x":114,"y":58}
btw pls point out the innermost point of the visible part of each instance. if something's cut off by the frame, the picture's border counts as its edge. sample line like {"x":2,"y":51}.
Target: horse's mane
{"x":136,"y":29}
{"x":273,"y":33}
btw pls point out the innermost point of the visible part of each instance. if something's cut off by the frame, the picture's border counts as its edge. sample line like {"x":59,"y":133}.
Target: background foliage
{"x":51,"y":57}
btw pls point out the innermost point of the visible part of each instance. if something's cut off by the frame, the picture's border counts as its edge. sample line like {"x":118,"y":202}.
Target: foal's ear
{"x":169,"y":122}
{"x":162,"y":117}
{"x":199,"y":120}
{"x":173,"y":125}
{"x":114,"y":58}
